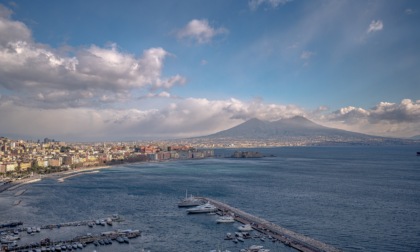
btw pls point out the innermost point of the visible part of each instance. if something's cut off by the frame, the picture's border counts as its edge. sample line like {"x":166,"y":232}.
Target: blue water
{"x":354,"y":198}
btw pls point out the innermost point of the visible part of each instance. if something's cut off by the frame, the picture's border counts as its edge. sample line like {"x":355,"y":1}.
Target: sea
{"x":355,"y":198}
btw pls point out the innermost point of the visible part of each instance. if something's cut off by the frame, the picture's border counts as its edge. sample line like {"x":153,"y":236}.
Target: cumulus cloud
{"x":405,"y":111}
{"x":37,"y":74}
{"x":254,"y":4}
{"x":200,"y":31}
{"x":389,"y":119}
{"x":375,"y":25}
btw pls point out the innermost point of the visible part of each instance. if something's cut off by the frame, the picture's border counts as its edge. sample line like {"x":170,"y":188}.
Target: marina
{"x":11,"y":234}
{"x":78,"y":242}
{"x":275,"y":232}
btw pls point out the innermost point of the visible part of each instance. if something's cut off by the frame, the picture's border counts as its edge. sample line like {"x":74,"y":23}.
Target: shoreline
{"x":61,"y":176}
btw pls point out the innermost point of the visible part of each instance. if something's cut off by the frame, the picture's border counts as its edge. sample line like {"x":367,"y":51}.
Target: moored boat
{"x":189,"y":201}
{"x":205,"y":208}
{"x":245,"y":227}
{"x":225,"y":219}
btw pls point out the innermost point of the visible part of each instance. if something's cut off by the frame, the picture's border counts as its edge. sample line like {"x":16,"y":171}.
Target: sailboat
{"x":189,"y":201}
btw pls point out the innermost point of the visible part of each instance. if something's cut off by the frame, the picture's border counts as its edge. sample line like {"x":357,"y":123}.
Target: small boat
{"x":245,"y":227}
{"x":228,"y":236}
{"x":418,"y":153}
{"x":189,"y":201}
{"x":119,"y":239}
{"x":225,"y":219}
{"x":126,"y":239}
{"x":109,"y":221}
{"x":256,"y":248}
{"x":79,"y":245}
{"x":240,"y":239}
{"x":206,"y":208}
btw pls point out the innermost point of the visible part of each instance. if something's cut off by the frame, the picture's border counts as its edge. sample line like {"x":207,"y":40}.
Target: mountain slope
{"x":296,"y":127}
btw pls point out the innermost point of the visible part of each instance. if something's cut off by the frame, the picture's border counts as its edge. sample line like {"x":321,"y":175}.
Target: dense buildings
{"x":20,"y":157}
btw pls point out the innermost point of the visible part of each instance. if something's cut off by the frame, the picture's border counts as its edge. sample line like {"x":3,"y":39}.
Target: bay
{"x":358,"y":198}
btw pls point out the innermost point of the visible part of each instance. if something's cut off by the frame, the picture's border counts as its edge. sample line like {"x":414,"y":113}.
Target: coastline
{"x":61,"y":176}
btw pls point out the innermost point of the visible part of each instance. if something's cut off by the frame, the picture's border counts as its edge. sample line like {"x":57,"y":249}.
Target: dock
{"x":290,"y":238}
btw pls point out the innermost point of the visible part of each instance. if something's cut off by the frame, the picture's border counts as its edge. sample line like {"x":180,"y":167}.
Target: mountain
{"x":291,"y":131}
{"x":297,"y":126}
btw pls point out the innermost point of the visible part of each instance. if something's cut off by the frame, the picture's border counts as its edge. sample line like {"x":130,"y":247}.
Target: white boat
{"x":255,"y":248}
{"x":206,"y":208}
{"x":225,"y":219}
{"x":189,"y":201}
{"x":245,"y":228}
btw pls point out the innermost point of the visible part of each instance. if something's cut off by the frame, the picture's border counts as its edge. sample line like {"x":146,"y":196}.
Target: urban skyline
{"x":88,"y":71}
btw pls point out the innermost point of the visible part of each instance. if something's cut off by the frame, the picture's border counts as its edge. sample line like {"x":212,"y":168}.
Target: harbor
{"x":12,"y":232}
{"x":275,"y":232}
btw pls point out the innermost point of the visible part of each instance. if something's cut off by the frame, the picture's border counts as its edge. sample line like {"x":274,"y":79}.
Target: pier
{"x":288,"y":237}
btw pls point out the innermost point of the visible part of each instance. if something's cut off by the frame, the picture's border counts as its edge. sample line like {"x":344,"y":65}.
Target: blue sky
{"x":133,"y":69}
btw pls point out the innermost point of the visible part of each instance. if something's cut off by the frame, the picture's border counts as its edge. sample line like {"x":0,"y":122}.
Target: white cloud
{"x":200,"y":31}
{"x":388,"y":119}
{"x":37,"y":75}
{"x":254,"y":4}
{"x":375,"y":25}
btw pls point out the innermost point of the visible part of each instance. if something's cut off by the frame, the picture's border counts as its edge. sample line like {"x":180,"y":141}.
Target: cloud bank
{"x":386,"y":118}
{"x":34,"y":74}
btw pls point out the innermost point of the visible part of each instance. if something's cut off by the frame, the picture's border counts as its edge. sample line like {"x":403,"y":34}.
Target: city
{"x":19,"y":158}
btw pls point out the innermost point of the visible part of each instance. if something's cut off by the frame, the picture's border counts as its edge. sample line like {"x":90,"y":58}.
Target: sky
{"x":126,"y":70}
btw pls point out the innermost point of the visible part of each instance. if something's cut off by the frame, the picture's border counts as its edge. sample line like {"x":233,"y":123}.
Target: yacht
{"x":206,"y":208}
{"x":255,"y":248}
{"x":189,"y":201}
{"x":225,"y":219}
{"x":245,"y":228}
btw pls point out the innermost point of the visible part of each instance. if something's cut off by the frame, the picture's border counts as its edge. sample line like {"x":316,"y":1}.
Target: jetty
{"x":290,"y":238}
{"x":61,"y":180}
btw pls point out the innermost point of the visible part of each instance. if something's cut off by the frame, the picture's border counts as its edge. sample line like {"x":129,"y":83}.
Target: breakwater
{"x":288,"y":237}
